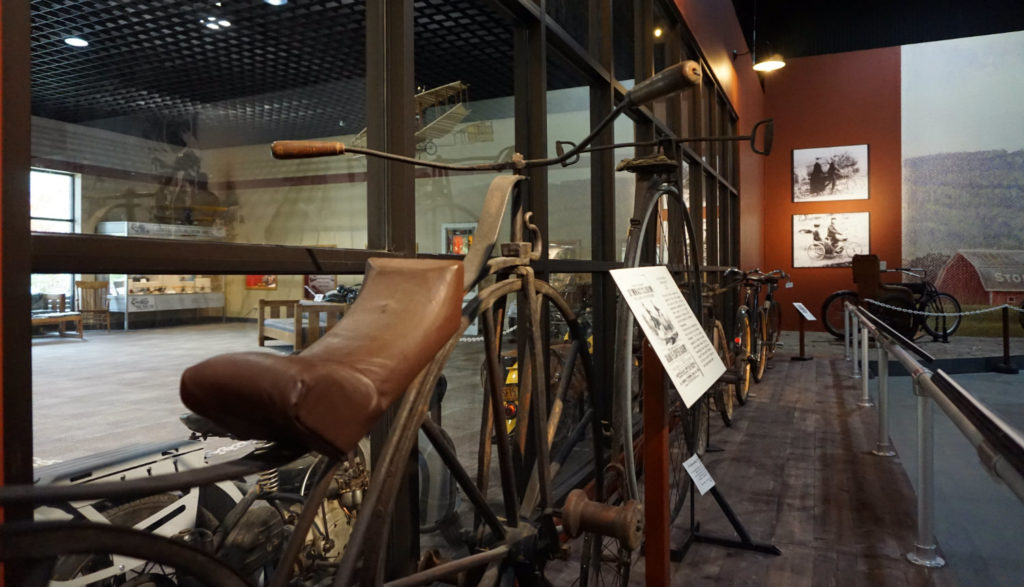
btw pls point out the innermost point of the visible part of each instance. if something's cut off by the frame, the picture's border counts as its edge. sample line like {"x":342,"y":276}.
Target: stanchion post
{"x":854,"y":335}
{"x":865,"y":393}
{"x":883,"y":447}
{"x":803,"y":325}
{"x":846,"y":331}
{"x":925,"y":550}
{"x":1006,"y":366}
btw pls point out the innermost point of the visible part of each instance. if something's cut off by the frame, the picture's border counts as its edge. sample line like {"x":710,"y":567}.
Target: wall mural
{"x":963,"y":148}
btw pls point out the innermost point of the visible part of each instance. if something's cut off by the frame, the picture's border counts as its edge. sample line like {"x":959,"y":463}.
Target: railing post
{"x":854,"y":335}
{"x":883,"y":447}
{"x":865,"y":370}
{"x":925,"y":553}
{"x":846,"y":330}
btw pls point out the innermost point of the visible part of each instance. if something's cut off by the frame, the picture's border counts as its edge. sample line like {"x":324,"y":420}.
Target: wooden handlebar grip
{"x":682,"y":75}
{"x":306,"y":149}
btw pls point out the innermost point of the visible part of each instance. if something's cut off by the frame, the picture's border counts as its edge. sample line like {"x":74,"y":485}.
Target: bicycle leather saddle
{"x":867,"y":276}
{"x":328,"y":397}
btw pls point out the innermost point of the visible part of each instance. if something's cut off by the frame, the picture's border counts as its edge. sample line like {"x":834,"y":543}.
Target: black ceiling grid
{"x":802,"y":28}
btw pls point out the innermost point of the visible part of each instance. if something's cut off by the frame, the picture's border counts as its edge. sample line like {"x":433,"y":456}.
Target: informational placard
{"x":674,"y":332}
{"x":699,"y":473}
{"x":804,"y":311}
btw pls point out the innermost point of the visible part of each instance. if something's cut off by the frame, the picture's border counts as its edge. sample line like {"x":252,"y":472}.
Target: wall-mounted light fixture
{"x":658,"y":32}
{"x":769,"y":61}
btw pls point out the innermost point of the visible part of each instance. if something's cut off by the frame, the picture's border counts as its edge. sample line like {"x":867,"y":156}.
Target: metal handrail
{"x":1000,"y":447}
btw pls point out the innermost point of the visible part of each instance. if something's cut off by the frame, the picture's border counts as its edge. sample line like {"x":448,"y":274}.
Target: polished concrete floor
{"x":795,"y":466}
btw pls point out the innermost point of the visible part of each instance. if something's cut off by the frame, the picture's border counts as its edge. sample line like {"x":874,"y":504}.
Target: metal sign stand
{"x":656,"y":508}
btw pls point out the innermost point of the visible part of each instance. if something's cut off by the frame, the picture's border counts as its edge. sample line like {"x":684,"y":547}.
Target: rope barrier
{"x":922,"y":313}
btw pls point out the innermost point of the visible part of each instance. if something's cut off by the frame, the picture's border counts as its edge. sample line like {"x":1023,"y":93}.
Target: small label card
{"x":804,"y":311}
{"x":699,"y":473}
{"x":674,"y":332}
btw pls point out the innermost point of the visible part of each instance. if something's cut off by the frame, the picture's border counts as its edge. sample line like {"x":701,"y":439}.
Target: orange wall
{"x":832,"y":100}
{"x":714,"y":24}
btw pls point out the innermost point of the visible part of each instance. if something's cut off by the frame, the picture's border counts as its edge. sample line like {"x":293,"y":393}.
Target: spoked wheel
{"x":816,"y":251}
{"x":774,"y":329}
{"x":723,"y":394}
{"x":660,"y":233}
{"x":574,"y":452}
{"x":39,"y":547}
{"x":760,"y":358}
{"x":944,"y":316}
{"x":897,"y":311}
{"x":833,"y":311}
{"x":741,"y":347}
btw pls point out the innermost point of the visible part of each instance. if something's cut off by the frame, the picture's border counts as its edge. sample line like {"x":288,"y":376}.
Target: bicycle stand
{"x":744,"y":542}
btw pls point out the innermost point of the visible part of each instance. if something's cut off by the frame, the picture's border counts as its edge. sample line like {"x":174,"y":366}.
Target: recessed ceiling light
{"x":224,"y":23}
{"x":276,"y":2}
{"x":76,"y":42}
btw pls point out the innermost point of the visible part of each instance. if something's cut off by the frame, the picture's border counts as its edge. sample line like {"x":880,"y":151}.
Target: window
{"x":53,"y":210}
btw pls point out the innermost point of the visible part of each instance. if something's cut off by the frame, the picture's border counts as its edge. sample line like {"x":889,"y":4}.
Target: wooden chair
{"x":56,"y":313}
{"x":93,"y":300}
{"x":290,"y":320}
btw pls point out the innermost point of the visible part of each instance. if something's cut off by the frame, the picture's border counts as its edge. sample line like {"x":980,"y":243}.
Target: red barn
{"x":984,"y":277}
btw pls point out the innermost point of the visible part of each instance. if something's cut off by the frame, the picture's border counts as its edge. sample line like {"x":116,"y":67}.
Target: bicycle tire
{"x":741,"y":347}
{"x":576,"y":445}
{"x":816,"y":251}
{"x":898,"y":315}
{"x":760,"y":357}
{"x":941,"y":326}
{"x":724,"y":394}
{"x":27,"y":542}
{"x":680,"y":247}
{"x":833,"y":313}
{"x":774,"y":328}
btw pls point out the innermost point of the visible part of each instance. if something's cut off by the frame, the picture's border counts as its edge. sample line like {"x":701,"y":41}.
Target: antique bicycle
{"x":556,"y":518}
{"x":932,"y":311}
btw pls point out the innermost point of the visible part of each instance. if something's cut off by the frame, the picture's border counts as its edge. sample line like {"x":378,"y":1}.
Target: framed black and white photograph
{"x":829,"y":240}
{"x":830,"y":173}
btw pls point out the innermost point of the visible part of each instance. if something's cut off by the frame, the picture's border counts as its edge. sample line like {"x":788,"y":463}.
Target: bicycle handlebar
{"x":682,"y":75}
{"x":918,"y":272}
{"x":773,"y":275}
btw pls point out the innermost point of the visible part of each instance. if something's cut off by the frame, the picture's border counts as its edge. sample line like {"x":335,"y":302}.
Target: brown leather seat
{"x":867,"y":274}
{"x":330,"y":396}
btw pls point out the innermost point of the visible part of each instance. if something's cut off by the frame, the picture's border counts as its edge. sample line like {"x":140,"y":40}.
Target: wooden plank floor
{"x":797,"y":469}
{"x":796,"y":465}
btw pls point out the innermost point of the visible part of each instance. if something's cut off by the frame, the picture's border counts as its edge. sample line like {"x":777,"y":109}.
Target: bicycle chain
{"x":228,"y":448}
{"x":920,"y":313}
{"x":510,"y":330}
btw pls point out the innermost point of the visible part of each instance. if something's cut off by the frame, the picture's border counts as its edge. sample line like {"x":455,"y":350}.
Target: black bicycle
{"x":934,"y":312}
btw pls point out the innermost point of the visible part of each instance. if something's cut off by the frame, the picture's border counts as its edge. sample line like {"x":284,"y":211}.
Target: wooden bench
{"x":289,"y":320}
{"x":56,"y":313}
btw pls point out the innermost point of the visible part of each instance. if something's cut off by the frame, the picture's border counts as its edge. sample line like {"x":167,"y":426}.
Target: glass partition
{"x":569,"y":221}
{"x":465,"y":115}
{"x":165,"y":115}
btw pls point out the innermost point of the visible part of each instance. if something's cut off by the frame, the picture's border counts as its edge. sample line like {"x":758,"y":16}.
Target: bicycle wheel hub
{"x":624,"y":522}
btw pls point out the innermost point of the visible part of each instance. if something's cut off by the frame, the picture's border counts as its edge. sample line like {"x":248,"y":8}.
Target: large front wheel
{"x":943,"y":317}
{"x":741,"y":347}
{"x":760,"y":358}
{"x":723,"y":394}
{"x":833,"y":311}
{"x":774,"y":328}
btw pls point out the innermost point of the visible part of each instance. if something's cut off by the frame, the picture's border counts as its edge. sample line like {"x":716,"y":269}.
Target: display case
{"x":153,"y":294}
